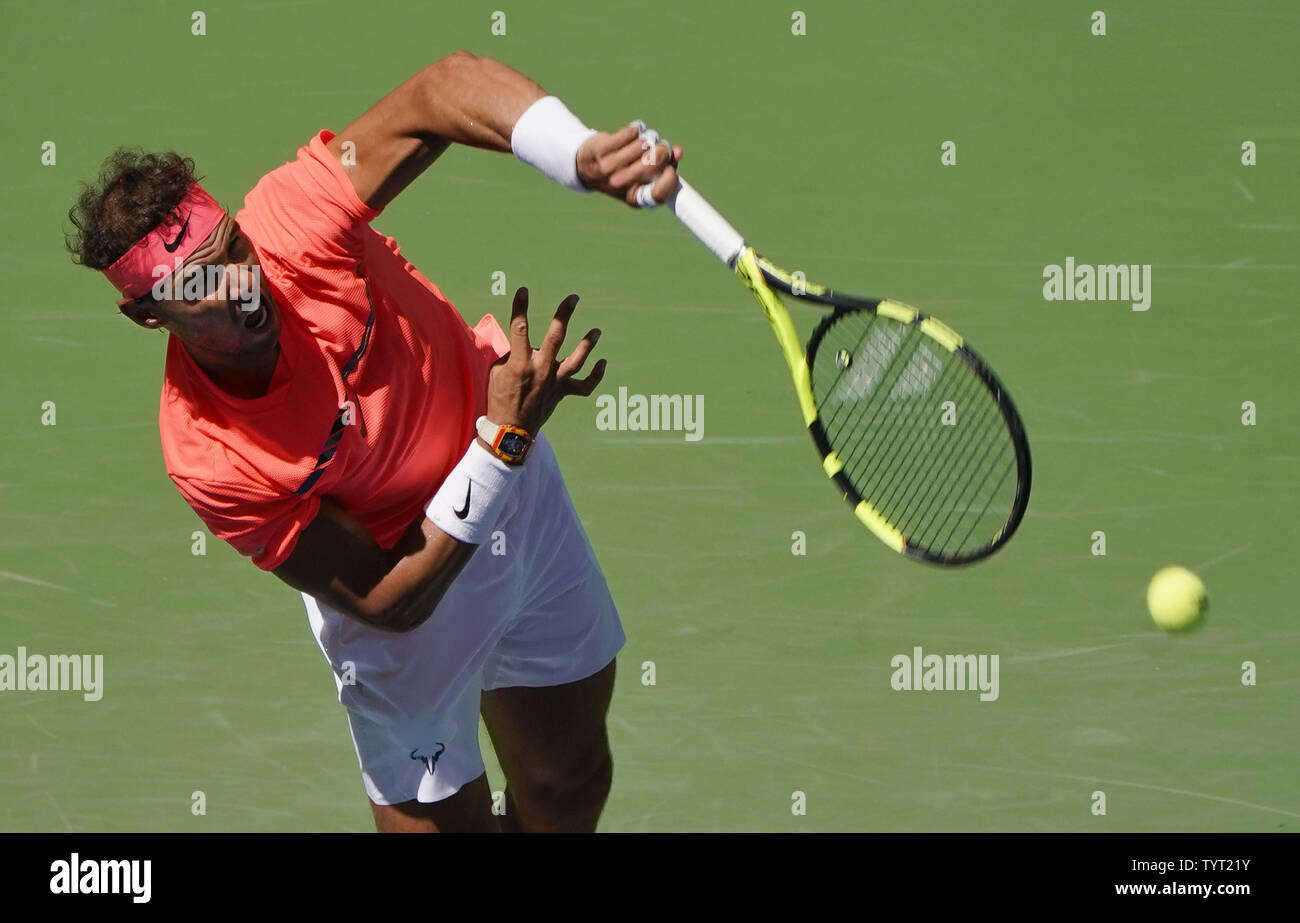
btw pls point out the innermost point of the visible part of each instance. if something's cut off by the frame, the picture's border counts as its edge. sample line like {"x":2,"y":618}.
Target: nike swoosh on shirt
{"x":171,"y":247}
{"x":464,"y":511}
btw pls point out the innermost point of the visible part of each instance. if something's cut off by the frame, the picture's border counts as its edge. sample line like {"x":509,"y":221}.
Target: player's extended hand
{"x":525,"y":385}
{"x":620,"y":163}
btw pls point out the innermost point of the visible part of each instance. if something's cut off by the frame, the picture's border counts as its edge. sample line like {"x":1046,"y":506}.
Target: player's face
{"x":219,"y":301}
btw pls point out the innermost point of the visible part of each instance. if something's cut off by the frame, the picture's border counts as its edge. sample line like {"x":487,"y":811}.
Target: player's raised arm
{"x":467,"y":99}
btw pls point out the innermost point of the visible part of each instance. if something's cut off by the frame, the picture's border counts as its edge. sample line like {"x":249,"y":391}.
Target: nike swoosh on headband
{"x":171,"y":247}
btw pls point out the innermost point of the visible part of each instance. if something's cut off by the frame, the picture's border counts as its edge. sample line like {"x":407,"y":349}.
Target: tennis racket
{"x":912,"y":426}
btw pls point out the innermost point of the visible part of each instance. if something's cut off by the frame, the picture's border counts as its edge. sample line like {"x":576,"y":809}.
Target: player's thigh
{"x":467,"y":811}
{"x":551,"y":738}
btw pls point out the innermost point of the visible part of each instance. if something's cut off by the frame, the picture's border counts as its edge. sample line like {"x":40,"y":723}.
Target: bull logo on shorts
{"x":429,"y":760}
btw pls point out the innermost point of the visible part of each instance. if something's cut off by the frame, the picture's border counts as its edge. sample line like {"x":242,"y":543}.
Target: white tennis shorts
{"x":531,"y":608}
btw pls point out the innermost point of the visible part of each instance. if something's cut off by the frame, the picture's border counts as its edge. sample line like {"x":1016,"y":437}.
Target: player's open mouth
{"x":258,"y":318}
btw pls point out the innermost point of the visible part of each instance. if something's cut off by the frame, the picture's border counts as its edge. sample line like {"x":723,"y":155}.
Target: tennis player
{"x":328,"y":412}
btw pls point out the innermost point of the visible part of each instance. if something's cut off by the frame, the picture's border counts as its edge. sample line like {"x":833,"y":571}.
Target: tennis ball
{"x":1176,"y":598}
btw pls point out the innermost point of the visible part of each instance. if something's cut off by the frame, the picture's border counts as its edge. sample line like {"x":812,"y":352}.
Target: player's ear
{"x":143,"y":312}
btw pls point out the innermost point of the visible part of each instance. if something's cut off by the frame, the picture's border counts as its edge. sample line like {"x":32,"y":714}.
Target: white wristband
{"x":547,"y":136}
{"x":469,"y":502}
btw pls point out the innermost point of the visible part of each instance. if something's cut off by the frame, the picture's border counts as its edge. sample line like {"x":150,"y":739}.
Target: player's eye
{"x":205,"y":282}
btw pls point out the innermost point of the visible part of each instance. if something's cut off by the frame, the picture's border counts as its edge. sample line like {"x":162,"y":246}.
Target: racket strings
{"x":918,"y":502}
{"x":858,"y":440}
{"x":863,"y":458}
{"x":883,"y":410}
{"x":875,"y":350}
{"x":930,"y":530}
{"x":924,"y":486}
{"x":945,"y":496}
{"x":959,"y":500}
{"x":924,"y":523}
{"x":931,"y":477}
{"x":997,"y":487}
{"x":859,"y":437}
{"x":930,"y":461}
{"x":900,"y":467}
{"x":854,"y":421}
{"x":974,"y":495}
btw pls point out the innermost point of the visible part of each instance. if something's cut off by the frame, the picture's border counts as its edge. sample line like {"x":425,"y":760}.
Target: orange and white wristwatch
{"x":506,"y":442}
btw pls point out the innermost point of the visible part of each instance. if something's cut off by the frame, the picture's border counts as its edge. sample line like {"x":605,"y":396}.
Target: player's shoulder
{"x":306,"y":207}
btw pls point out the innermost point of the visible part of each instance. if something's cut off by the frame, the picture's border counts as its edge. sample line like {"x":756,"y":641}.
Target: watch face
{"x":513,"y":444}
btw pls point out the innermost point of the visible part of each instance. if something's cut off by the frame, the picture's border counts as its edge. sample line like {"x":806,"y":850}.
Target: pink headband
{"x":134,"y":274}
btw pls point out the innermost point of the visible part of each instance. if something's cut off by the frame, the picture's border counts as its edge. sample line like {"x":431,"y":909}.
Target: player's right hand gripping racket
{"x":912,"y":426}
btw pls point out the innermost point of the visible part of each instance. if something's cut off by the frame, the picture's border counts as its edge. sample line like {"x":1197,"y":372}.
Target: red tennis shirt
{"x":376,"y":391}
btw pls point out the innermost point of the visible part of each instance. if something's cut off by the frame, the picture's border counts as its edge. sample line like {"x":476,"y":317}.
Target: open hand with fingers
{"x":633,"y":165}
{"x":525,"y":385}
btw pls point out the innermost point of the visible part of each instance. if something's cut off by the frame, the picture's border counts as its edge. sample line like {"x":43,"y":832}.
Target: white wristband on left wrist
{"x":469,"y":502}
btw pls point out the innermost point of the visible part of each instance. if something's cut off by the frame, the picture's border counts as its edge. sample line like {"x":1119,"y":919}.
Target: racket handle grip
{"x":702,"y":220}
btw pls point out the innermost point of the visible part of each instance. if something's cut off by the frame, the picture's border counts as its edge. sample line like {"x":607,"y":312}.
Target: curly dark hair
{"x":136,"y":192}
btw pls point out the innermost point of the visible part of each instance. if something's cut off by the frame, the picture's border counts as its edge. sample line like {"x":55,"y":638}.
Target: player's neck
{"x":243,"y":377}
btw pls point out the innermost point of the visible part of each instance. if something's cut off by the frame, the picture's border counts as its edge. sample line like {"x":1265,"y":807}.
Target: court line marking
{"x":1223,"y":557}
{"x":59,"y":811}
{"x":1143,"y":785}
{"x":626,"y":725}
{"x":44,"y":730}
{"x":666,"y":438}
{"x":10,"y":575}
{"x":1127,"y":437}
{"x":1112,"y":511}
{"x":1067,"y":652}
{"x":20,"y":578}
{"x":859,"y":258}
{"x":218,"y":718}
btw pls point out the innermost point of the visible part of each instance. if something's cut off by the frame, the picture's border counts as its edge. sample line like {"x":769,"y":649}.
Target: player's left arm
{"x":467,"y":99}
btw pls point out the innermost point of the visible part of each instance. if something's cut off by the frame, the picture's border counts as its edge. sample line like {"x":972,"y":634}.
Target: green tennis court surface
{"x":772,"y":670}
